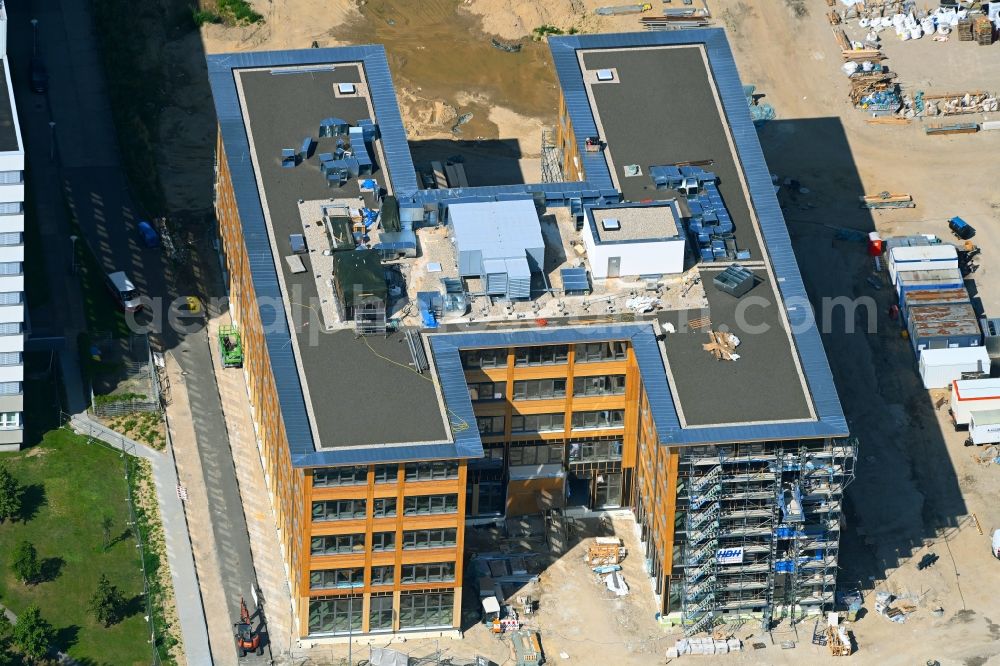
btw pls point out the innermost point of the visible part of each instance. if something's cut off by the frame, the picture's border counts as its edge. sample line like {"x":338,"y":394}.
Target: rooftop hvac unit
{"x":611,"y":224}
{"x":605,"y":75}
{"x":735,"y":281}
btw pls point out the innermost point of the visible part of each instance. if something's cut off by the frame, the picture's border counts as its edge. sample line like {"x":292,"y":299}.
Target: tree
{"x":7,"y":655}
{"x":107,"y":523}
{"x":26,"y":565}
{"x":33,"y":634}
{"x":10,"y":495}
{"x":107,"y":604}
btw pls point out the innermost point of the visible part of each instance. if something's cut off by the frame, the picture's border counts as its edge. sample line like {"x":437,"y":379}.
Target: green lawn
{"x":70,"y":486}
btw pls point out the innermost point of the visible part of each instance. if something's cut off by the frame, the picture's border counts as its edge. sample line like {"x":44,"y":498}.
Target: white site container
{"x":921,"y":258}
{"x":940,"y":367}
{"x":984,"y":427}
{"x":968,"y":395}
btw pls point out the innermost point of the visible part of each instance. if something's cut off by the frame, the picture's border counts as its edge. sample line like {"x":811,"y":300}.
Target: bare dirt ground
{"x":917,"y":487}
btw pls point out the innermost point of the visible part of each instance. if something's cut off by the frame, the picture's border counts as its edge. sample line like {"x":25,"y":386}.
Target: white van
{"x":124,"y":291}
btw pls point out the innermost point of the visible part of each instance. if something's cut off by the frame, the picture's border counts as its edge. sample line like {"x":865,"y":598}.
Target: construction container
{"x":968,"y":395}
{"x":984,"y":427}
{"x":940,"y":367}
{"x":991,"y":336}
{"x":921,"y":258}
{"x":950,"y":278}
{"x":943,"y":326}
{"x":920,"y":297}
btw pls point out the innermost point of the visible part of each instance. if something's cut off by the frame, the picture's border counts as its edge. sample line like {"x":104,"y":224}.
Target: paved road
{"x":86,"y":152}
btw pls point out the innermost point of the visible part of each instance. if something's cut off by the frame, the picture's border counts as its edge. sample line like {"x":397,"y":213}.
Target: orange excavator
{"x":247,"y":640}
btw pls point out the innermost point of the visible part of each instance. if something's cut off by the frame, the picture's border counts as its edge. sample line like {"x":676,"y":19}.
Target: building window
{"x":384,"y":507}
{"x":539,"y":389}
{"x":436,"y":572}
{"x":11,"y":208}
{"x":386,"y":473}
{"x":337,"y":543}
{"x":10,"y":420}
{"x":604,"y":418}
{"x":537,"y":422}
{"x":349,"y":509}
{"x":382,"y":541}
{"x":490,"y":425}
{"x":483,"y":358}
{"x":426,"y":504}
{"x":546,"y":355}
{"x":11,"y":328}
{"x":380,"y":613}
{"x":432,"y":471}
{"x":11,"y":298}
{"x":336,"y":578}
{"x":482,"y":391}
{"x":336,"y":615}
{"x":10,"y":388}
{"x":535,"y":453}
{"x":10,"y":358}
{"x":440,"y":538}
{"x":600,"y":385}
{"x":592,"y":352}
{"x":11,"y":177}
{"x":11,"y":268}
{"x":598,"y":451}
{"x":9,"y":238}
{"x":431,"y":609}
{"x":383,"y":575}
{"x":340,"y":476}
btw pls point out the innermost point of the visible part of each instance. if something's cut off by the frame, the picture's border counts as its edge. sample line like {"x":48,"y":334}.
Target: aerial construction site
{"x":573,"y":333}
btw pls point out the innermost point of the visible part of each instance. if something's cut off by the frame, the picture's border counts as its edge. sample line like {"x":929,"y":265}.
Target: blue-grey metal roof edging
{"x":815,"y":364}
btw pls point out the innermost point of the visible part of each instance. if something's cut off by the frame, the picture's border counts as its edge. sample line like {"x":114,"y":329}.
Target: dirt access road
{"x":917,"y":487}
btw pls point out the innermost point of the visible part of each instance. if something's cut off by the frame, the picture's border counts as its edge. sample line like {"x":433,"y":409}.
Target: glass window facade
{"x":386,"y":473}
{"x":340,"y":476}
{"x":439,"y":538}
{"x":595,"y":451}
{"x":349,"y":509}
{"x":336,"y":578}
{"x":536,"y":453}
{"x":382,"y":541}
{"x":537,"y":422}
{"x":380,"y":613}
{"x":428,"y":504}
{"x":383,"y":575}
{"x":431,"y":609}
{"x":541,"y":355}
{"x":599,"y":385}
{"x":539,"y":389}
{"x":337,"y":543}
{"x":490,"y":425}
{"x":593,"y":352}
{"x":335,"y":615}
{"x":604,"y":418}
{"x":384,"y":507}
{"x":483,"y":391}
{"x":432,"y":471}
{"x":484,"y":358}
{"x":435,"y":572}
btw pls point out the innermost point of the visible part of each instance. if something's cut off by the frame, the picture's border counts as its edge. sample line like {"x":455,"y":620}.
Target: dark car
{"x":148,"y":234}
{"x":39,"y":75}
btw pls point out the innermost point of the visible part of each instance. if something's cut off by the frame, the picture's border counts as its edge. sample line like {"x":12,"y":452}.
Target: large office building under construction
{"x":631,"y":333}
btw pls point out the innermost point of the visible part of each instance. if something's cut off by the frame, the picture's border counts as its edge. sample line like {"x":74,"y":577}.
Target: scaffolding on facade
{"x":551,"y":163}
{"x":761,"y":529}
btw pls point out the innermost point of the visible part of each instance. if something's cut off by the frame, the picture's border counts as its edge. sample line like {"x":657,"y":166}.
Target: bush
{"x":239,"y":11}
{"x":25,"y":564}
{"x":203,"y":16}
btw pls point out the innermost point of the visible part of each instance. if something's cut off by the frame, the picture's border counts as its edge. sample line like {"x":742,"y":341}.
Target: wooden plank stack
{"x":722,"y":346}
{"x":964,"y":30}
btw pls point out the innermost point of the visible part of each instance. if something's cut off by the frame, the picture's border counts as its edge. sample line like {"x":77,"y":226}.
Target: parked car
{"x":124,"y":291}
{"x":148,"y":234}
{"x":39,"y":75}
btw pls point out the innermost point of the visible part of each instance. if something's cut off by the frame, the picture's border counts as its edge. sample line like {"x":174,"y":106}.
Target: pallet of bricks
{"x":982,"y":30}
{"x":604,"y":551}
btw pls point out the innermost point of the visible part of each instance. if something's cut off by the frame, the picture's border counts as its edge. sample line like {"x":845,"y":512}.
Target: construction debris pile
{"x":908,"y":23}
{"x":894,"y":609}
{"x":949,"y":104}
{"x":887,"y":200}
{"x":722,"y":345}
{"x":678,"y":18}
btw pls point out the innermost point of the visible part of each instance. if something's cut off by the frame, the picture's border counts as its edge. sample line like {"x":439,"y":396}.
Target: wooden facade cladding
{"x":566,"y":142}
{"x":285,"y":484}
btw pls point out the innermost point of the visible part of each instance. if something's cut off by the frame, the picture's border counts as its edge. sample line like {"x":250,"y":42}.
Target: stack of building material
{"x":605,"y":551}
{"x":887,"y":200}
{"x":722,"y":346}
{"x":964,"y":30}
{"x":709,"y":646}
{"x":982,"y":29}
{"x":956,"y":128}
